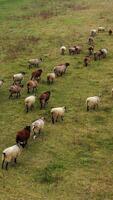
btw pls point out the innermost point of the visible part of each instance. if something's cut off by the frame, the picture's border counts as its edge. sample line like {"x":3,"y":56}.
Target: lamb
{"x":62,"y":50}
{"x":34,"y":62}
{"x":1,"y":82}
{"x":92,"y":102}
{"x":36,"y":74}
{"x":90,"y":41}
{"x":29,"y":102}
{"x":23,"y":135}
{"x":93,"y":32}
{"x":32,"y":85}
{"x":37,"y":126}
{"x":15,"y":89}
{"x":57,"y":112}
{"x":51,"y":77}
{"x":44,"y":99}
{"x":110,"y":31}
{"x":87,"y":60}
{"x":60,"y":69}
{"x":101,"y":29}
{"x":11,"y":154}
{"x":18,"y":77}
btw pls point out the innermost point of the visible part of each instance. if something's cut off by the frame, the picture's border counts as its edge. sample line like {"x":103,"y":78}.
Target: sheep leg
{"x":62,"y":118}
{"x":52,"y":118}
{"x":87,"y":108}
{"x":3,"y":163}
{"x":28,"y":90}
{"x":10,"y":95}
{"x":6,"y":167}
{"x":27,"y":109}
{"x":15,"y":160}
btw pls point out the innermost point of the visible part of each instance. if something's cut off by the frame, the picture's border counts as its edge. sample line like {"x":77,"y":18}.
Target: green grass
{"x":73,"y":159}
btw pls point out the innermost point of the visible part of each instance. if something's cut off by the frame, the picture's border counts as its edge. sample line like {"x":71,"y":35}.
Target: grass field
{"x":72,"y":160}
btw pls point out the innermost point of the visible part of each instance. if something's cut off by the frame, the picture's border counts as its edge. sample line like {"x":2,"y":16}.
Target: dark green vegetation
{"x":74,"y":159}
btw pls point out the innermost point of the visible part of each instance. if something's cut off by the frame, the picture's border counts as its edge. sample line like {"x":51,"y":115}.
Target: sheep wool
{"x":92,"y":102}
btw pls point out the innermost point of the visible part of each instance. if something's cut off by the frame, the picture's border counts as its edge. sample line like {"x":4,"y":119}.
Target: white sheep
{"x":93,"y":32}
{"x":61,"y":69}
{"x":62,"y":50}
{"x":101,"y":29}
{"x":18,"y":77}
{"x":51,"y":77}
{"x":37,"y":126}
{"x":104,"y":52}
{"x":92,"y":102}
{"x":1,"y":82}
{"x":29,"y":102}
{"x":57,"y":112}
{"x":11,"y":154}
{"x":34,"y":62}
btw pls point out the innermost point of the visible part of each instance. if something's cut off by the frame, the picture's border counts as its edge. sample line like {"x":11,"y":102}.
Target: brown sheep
{"x":87,"y":60}
{"x":36,"y":74}
{"x":32,"y":85}
{"x":15,"y":89}
{"x":44,"y":99}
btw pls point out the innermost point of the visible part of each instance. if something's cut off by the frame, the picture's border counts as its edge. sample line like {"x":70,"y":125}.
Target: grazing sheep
{"x":34,"y":62}
{"x":51,"y":77}
{"x":101,"y":29}
{"x":44,"y":99}
{"x":78,"y":49}
{"x":18,"y":77}
{"x":97,"y":55}
{"x":72,"y":50}
{"x":23,"y":135}
{"x":110,"y":32}
{"x":62,"y":50}
{"x":91,"y":50}
{"x":36,"y":74}
{"x":11,"y":154}
{"x":61,"y":69}
{"x":29,"y":102}
{"x":103,"y":52}
{"x":32,"y":85}
{"x":56,"y":113}
{"x":15,"y":90}
{"x":90,"y":41}
{"x":87,"y":60}
{"x":92,"y":102}
{"x":93,"y":32}
{"x":1,"y":82}
{"x":37,"y":126}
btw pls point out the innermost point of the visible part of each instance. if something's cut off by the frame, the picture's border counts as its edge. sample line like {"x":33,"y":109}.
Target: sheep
{"x":1,"y":82}
{"x":78,"y":49}
{"x":87,"y":60}
{"x":11,"y":154}
{"x":62,"y":50}
{"x":91,"y":50}
{"x":101,"y":29}
{"x":18,"y":77}
{"x":90,"y":41}
{"x":44,"y":99}
{"x":72,"y":50}
{"x":23,"y":135}
{"x":60,"y":69}
{"x":103,"y":52}
{"x":92,"y":102}
{"x":32,"y":85}
{"x":15,"y":89}
{"x":56,"y":113}
{"x":34,"y":62}
{"x":51,"y":77}
{"x":97,"y":55}
{"x":93,"y":32}
{"x":37,"y":126}
{"x":36,"y":74}
{"x":110,"y":32}
{"x":29,"y":102}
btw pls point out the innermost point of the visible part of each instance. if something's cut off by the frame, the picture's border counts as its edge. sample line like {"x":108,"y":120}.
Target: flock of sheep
{"x":34,"y":130}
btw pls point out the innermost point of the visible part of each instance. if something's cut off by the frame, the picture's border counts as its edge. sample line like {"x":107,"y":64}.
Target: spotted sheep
{"x":37,"y":126}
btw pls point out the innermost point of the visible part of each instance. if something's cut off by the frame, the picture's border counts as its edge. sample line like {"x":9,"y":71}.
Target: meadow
{"x":73,"y":159}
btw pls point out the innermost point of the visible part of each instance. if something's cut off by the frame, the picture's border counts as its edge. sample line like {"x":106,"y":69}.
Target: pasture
{"x":73,"y":159}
